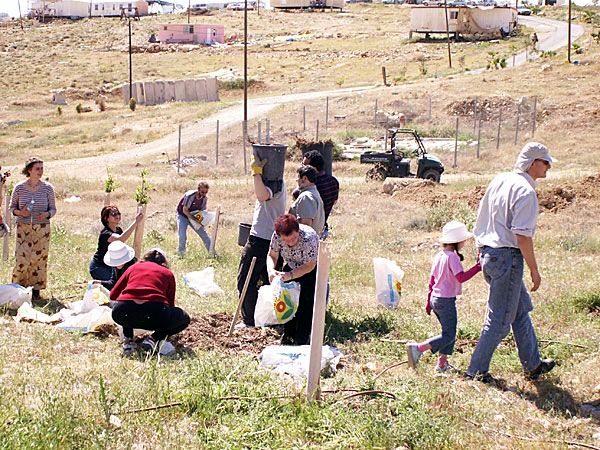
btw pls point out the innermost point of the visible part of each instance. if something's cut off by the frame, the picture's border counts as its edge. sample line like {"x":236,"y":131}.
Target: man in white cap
{"x":504,"y":231}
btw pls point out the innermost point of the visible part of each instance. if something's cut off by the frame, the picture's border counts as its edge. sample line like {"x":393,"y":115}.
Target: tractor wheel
{"x":376,"y":173}
{"x":432,"y":174}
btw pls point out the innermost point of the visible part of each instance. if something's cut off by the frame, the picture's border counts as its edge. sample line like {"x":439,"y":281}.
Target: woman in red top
{"x":145,"y":298}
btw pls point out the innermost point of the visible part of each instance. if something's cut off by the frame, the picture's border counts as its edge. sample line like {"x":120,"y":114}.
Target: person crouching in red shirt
{"x":144,"y":297}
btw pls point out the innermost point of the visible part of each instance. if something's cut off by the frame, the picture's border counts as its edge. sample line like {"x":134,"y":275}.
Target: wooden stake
{"x":138,"y":234}
{"x":7,"y":220}
{"x":318,"y":323}
{"x":211,"y":251}
{"x":242,"y":296}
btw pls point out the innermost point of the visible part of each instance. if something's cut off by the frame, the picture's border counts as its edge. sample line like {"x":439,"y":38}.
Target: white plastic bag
{"x":95,"y":295}
{"x":205,"y":218}
{"x":88,"y":322}
{"x":277,"y":302}
{"x":14,"y":295}
{"x":202,"y":282}
{"x":388,"y":282}
{"x":294,"y":359}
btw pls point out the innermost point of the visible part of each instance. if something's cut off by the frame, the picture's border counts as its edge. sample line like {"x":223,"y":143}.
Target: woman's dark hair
{"x":156,"y":255}
{"x":286,"y":225}
{"x":106,"y":212}
{"x":29,"y":164}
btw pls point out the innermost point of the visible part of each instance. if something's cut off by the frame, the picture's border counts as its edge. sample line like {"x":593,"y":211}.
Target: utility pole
{"x":245,"y":129}
{"x":448,"y":33}
{"x":130,"y":64}
{"x":569,"y":35}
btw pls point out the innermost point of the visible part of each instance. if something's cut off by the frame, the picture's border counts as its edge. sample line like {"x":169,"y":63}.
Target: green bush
{"x":444,"y":211}
{"x":587,"y":301}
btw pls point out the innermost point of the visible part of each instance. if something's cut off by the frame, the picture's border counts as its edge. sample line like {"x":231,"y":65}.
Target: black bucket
{"x":275,"y":156}
{"x":243,"y":233}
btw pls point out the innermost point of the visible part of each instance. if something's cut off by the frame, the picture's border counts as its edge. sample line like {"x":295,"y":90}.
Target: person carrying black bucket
{"x":270,"y":204}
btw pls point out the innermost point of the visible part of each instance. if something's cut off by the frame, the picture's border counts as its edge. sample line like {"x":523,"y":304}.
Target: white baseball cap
{"x":529,"y":153}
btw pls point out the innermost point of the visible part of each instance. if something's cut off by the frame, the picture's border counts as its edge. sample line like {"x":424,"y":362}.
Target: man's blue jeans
{"x":445,"y":310}
{"x":508,"y":307}
{"x":182,"y":223}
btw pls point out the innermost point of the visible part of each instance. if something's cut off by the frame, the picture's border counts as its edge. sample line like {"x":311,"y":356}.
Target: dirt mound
{"x":210,"y":333}
{"x":488,"y":108}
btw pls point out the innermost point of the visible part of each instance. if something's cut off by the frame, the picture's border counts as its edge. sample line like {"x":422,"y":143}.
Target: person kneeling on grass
{"x":445,"y":284}
{"x":145,"y":298}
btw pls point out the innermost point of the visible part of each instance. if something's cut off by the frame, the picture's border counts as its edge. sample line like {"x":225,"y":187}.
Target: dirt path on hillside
{"x":554,"y":36}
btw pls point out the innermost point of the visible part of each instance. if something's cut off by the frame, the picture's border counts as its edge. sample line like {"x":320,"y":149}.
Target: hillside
{"x":68,"y":390}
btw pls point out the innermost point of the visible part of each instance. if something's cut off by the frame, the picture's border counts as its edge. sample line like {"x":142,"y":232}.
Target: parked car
{"x":393,"y":2}
{"x":523,"y":10}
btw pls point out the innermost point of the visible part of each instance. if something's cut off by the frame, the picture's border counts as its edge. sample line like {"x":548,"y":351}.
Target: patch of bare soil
{"x":550,"y":198}
{"x":210,"y":333}
{"x":488,"y":108}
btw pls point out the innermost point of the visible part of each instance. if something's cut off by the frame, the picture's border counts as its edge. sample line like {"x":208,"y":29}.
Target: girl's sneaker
{"x":148,"y":344}
{"x":128,"y":347}
{"x":444,"y":368}
{"x":413,"y":354}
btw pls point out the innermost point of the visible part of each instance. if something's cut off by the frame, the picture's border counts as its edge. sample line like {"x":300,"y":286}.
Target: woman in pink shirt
{"x":445,"y":284}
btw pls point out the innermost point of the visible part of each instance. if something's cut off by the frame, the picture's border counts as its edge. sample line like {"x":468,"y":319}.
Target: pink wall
{"x":191,"y":33}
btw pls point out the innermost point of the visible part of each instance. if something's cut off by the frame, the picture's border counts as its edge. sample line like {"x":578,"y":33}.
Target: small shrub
{"x":340,"y":82}
{"x":444,"y":211}
{"x":59,"y":110}
{"x":141,"y":192}
{"x":496,"y":61}
{"x":587,"y":301}
{"x":132,"y":104}
{"x":79,"y":108}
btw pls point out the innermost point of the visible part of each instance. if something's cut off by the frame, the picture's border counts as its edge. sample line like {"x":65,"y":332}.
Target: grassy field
{"x":66,"y":390}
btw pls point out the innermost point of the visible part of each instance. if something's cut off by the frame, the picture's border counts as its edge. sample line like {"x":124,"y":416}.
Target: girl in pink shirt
{"x":445,"y":284}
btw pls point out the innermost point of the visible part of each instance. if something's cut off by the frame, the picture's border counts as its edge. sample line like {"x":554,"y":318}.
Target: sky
{"x":12,"y":7}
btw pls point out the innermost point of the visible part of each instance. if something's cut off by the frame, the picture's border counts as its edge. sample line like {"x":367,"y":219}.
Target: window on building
{"x":96,"y":7}
{"x":188,"y":29}
{"x":453,"y":15}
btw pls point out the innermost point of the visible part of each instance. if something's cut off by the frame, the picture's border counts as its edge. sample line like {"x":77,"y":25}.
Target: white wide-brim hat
{"x":453,"y":232}
{"x":118,"y":254}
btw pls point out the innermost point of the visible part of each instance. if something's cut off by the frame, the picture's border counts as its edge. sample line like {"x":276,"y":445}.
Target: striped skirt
{"x":31,"y":254}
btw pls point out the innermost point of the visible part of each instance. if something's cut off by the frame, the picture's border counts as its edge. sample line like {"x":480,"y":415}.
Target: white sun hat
{"x":118,"y":254}
{"x":453,"y":232}
{"x":529,"y":153}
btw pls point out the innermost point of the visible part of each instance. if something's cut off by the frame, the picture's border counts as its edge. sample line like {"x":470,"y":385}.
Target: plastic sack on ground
{"x":88,"y":322}
{"x":95,"y":295}
{"x":388,"y":282}
{"x":205,"y":218}
{"x":294,"y":359}
{"x":277,"y":302}
{"x":28,"y":312}
{"x":14,"y":295}
{"x":202,"y":282}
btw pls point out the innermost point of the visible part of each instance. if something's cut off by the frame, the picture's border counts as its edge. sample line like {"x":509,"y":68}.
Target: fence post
{"x":217,"y":146}
{"x":456,"y":144}
{"x":268,"y":131}
{"x":534,"y":118}
{"x":499,"y":126}
{"x":517,"y":124}
{"x":384,"y":75}
{"x":304,"y":118}
{"x":478,"y":137}
{"x":430,"y":108}
{"x":375,"y":113}
{"x":179,"y":150}
{"x":476,"y":113}
{"x":326,"y":112}
{"x":385,"y":140}
{"x":260,"y":131}
{"x":245,"y":138}
{"x":317,"y":133}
